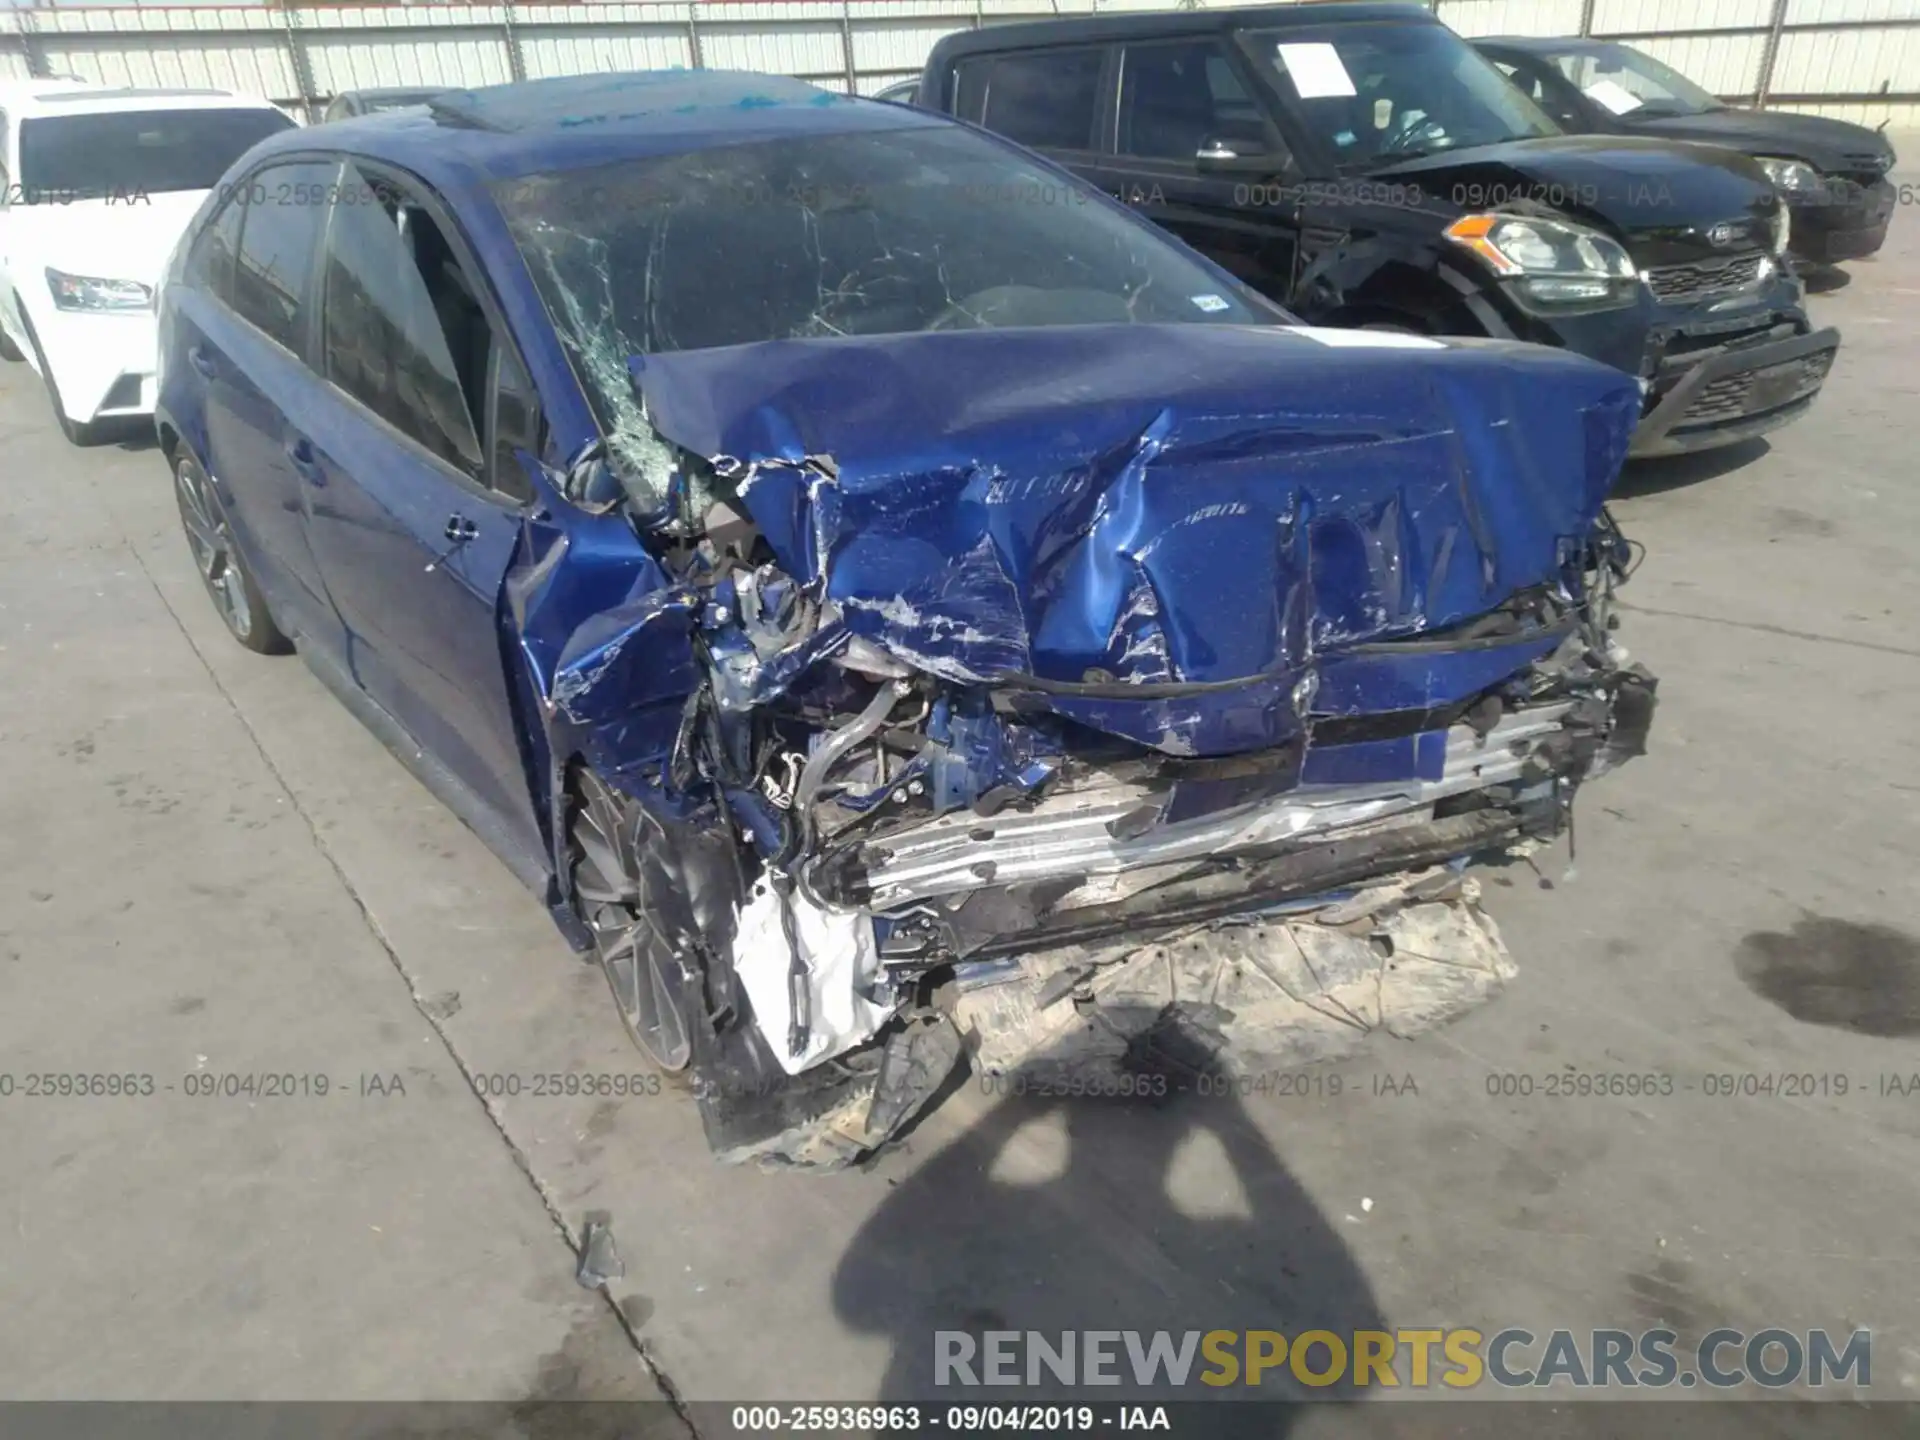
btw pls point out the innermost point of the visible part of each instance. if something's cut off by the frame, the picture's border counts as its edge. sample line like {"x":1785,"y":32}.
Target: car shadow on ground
{"x":1676,"y":472}
{"x":1823,"y":279}
{"x":1083,"y":1214}
{"x":135,"y":435}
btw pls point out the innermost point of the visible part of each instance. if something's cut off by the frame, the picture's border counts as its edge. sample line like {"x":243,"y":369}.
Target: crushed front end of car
{"x":1095,"y":702}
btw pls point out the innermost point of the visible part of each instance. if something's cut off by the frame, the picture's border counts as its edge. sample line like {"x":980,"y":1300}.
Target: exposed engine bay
{"x":1079,"y":740}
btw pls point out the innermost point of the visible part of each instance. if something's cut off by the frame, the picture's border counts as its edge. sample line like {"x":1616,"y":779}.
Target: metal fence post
{"x":846,"y":46}
{"x":297,"y":57}
{"x":1770,"y":52}
{"x":693,"y":35}
{"x":1586,"y":17}
{"x":516,"y":62}
{"x":37,"y":66}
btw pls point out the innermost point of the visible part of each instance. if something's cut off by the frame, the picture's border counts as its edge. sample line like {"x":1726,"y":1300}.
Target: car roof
{"x":391,"y":92}
{"x":1543,"y":44}
{"x":25,"y":99}
{"x":464,"y":139}
{"x":1123,"y":25}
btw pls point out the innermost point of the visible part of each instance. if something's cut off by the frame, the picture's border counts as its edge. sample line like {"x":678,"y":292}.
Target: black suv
{"x":1365,"y":166}
{"x":1833,"y":174}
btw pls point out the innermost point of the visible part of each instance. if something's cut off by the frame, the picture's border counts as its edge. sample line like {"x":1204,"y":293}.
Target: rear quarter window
{"x":279,"y":237}
{"x":210,"y":260}
{"x":1046,"y":99}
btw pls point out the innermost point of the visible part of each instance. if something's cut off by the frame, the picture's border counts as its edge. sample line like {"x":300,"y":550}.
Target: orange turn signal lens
{"x":1472,"y":231}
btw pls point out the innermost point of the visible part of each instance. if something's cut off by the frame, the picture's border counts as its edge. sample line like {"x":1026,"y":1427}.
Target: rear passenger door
{"x":1047,"y":100}
{"x":1180,"y":99}
{"x":418,"y":485}
{"x":254,"y":263}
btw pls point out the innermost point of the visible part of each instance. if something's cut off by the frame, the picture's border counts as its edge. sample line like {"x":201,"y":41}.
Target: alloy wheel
{"x":211,"y":539}
{"x":607,"y":881}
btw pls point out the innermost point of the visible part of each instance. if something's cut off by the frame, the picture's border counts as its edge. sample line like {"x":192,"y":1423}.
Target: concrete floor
{"x":208,"y":867}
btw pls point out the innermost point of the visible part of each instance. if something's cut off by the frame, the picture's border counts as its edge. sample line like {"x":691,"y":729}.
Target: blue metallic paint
{"x":1205,"y":513}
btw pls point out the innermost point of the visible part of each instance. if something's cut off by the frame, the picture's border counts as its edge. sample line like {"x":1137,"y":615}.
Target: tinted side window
{"x":278,"y":238}
{"x":128,"y":153}
{"x":1174,"y":98}
{"x":210,"y":262}
{"x":1046,"y":99}
{"x":515,"y":425}
{"x":1524,"y":76}
{"x":1546,"y":87}
{"x":404,"y":334}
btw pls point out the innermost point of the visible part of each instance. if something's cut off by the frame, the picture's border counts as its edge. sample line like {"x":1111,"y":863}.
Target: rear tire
{"x":216,"y":554}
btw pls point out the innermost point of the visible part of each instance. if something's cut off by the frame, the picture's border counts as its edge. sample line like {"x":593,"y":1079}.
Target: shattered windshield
{"x":873,"y":233}
{"x":1377,"y":93}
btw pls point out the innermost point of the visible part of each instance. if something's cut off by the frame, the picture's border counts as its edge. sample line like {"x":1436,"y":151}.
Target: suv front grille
{"x":1675,"y":284}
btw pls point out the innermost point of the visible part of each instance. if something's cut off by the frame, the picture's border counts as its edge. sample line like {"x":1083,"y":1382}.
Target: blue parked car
{"x":895,"y":607}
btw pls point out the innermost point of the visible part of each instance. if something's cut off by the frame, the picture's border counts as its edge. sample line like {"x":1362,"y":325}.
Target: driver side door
{"x":416,"y":486}
{"x":1194,"y":151}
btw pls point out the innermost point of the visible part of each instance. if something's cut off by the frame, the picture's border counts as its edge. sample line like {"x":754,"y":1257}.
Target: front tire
{"x":604,"y":837}
{"x":216,"y":554}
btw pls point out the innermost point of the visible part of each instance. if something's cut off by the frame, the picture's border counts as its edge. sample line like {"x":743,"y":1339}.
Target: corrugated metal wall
{"x":1857,"y":59}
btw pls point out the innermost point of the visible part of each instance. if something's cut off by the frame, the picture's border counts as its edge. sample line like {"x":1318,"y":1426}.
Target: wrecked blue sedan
{"x":897,"y":609}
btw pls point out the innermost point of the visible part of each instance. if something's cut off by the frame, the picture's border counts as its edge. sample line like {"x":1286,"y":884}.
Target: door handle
{"x":300,"y":454}
{"x":459,"y":530}
{"x":198,"y":358}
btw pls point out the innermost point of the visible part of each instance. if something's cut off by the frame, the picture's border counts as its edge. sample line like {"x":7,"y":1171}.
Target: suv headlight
{"x":83,"y":292}
{"x":1551,"y":260}
{"x":1780,"y":229}
{"x":1790,"y":177}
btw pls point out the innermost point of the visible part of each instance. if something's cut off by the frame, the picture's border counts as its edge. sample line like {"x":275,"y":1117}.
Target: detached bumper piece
{"x":1225,"y":1001}
{"x":1735,"y":393}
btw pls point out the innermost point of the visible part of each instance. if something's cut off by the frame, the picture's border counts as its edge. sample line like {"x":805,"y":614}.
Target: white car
{"x":96,"y":186}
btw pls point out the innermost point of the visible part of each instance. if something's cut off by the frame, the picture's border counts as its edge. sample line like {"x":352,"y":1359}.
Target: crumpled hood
{"x":1182,"y":505}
